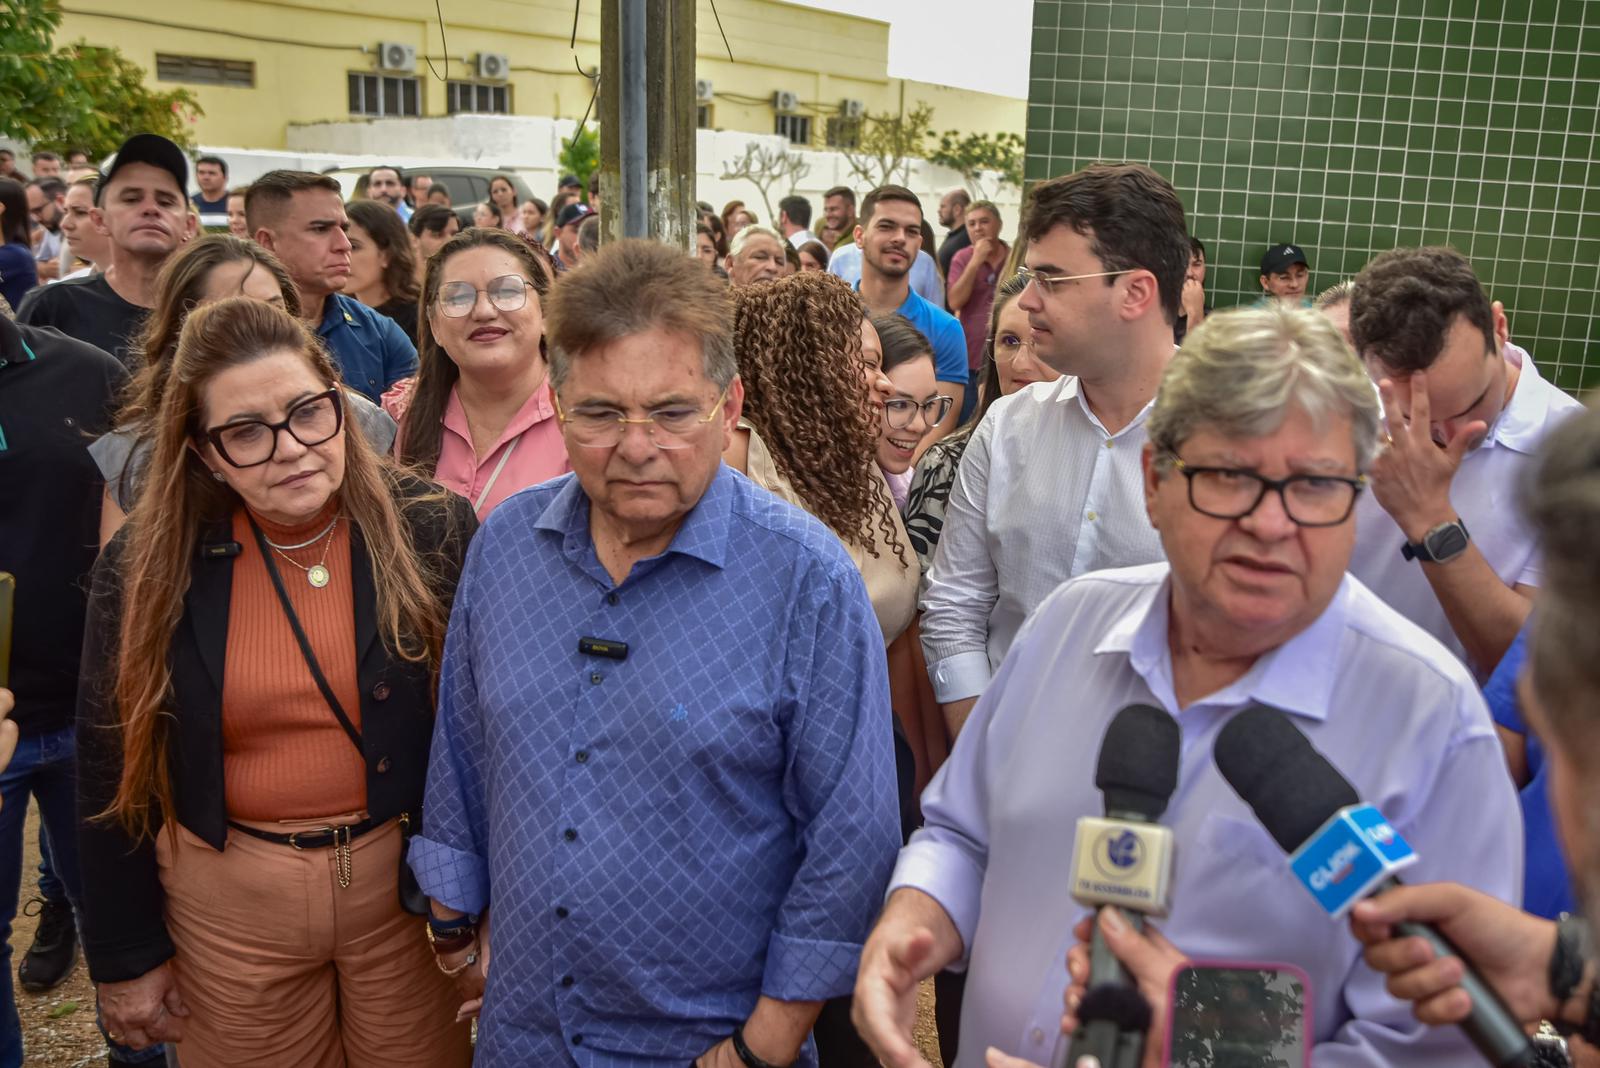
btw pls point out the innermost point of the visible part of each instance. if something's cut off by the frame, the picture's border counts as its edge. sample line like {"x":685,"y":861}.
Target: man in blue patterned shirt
{"x":662,"y":784}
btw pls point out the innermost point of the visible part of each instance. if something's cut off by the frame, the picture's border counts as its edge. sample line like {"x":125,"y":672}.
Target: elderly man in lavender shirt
{"x":1258,"y":443}
{"x":662,"y":793}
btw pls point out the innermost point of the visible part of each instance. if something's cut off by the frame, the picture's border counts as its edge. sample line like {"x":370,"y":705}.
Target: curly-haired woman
{"x":811,"y":366}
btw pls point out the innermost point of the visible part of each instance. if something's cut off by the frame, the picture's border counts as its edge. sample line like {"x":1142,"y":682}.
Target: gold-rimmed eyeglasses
{"x":670,"y":427}
{"x":1048,"y":282}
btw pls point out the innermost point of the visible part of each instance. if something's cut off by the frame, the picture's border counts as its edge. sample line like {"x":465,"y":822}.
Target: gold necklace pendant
{"x":317,"y":575}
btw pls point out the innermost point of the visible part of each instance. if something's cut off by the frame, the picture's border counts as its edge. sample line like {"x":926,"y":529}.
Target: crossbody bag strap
{"x":300,"y":636}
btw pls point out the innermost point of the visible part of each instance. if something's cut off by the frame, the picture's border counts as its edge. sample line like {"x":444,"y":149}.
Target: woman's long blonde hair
{"x":179,"y":497}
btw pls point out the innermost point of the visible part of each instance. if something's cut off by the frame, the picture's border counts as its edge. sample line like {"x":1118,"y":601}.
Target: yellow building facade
{"x":258,"y":66}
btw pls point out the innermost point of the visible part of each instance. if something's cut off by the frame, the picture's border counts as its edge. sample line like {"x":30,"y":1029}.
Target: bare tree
{"x":887,"y":144}
{"x":765,"y":168}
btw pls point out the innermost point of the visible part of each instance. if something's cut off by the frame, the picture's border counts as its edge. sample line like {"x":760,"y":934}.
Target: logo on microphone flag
{"x":1354,"y":852}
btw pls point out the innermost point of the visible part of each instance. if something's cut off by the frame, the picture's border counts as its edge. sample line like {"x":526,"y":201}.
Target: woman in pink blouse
{"x":480,"y":419}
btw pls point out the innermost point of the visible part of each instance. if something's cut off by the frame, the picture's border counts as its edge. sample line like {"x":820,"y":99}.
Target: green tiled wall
{"x":1349,"y":128}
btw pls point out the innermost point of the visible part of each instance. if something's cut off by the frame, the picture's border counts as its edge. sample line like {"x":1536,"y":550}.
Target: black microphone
{"x":1125,"y":861}
{"x":1313,"y":811}
{"x":220,"y":550}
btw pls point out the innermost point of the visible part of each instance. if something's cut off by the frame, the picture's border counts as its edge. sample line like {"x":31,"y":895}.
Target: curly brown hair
{"x":798,"y":341}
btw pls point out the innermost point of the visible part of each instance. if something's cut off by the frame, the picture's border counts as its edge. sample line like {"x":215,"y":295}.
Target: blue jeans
{"x":44,"y":766}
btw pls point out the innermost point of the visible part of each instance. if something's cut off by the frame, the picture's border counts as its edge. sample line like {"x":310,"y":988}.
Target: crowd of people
{"x":444,"y":638}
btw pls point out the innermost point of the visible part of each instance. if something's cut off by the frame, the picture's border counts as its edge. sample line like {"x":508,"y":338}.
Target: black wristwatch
{"x":1567,"y":960}
{"x":1440,"y":545}
{"x":745,"y":1053}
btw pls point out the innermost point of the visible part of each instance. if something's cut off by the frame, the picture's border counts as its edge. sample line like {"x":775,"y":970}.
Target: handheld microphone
{"x":1343,"y":851}
{"x":1124,"y":860}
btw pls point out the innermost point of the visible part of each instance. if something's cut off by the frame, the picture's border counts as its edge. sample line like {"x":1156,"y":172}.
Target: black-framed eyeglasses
{"x":1308,"y":500}
{"x":252,"y":442}
{"x":508,"y":293}
{"x":899,"y":411}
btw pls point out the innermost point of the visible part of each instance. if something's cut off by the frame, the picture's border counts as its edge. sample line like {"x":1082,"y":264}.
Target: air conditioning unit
{"x":392,"y":55}
{"x":785,"y":102}
{"x":494,"y":66}
{"x":703,"y":89}
{"x":853,"y":109}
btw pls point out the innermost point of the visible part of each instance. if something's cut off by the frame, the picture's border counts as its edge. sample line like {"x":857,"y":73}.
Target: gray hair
{"x":1240,"y":371}
{"x":1335,"y":295}
{"x":742,"y":238}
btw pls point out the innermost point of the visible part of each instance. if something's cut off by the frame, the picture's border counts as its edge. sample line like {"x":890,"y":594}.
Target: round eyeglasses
{"x":507,"y":293}
{"x":1308,"y":500}
{"x":899,"y":412}
{"x":1007,"y":347}
{"x":252,"y":442}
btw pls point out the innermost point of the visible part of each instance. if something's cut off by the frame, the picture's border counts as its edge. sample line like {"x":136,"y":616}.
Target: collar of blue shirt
{"x":703,"y":535}
{"x":1297,"y":676}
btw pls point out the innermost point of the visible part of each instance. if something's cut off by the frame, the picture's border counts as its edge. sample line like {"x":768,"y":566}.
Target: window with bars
{"x":841,"y":132}
{"x":206,"y":70}
{"x":702,"y":116}
{"x":474,"y":98}
{"x":385,"y":95}
{"x":797,"y":128}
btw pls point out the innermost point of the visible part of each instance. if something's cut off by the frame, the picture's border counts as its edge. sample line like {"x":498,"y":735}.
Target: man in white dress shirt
{"x":1257,"y":445}
{"x":1442,"y":535}
{"x":1050,"y":487}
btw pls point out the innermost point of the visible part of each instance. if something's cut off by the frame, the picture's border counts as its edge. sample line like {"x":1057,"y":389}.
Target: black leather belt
{"x":314,"y":838}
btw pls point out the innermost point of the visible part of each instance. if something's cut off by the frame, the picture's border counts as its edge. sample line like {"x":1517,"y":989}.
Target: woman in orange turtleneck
{"x":254,"y":722}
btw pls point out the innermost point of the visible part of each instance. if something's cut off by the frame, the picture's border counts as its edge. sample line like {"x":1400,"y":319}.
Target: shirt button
{"x":611,"y":598}
{"x":596,"y":677}
{"x":561,"y":912}
{"x":1037,"y":1035}
{"x":577,"y":1040}
{"x":567,"y":980}
{"x":381,"y":692}
{"x":1109,"y":443}
{"x":1092,"y":517}
{"x":570,"y":834}
{"x":384,"y":766}
{"x":583,"y":756}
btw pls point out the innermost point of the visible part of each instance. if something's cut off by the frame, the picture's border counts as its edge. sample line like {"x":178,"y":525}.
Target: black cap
{"x":152,"y":149}
{"x":573,"y":213}
{"x":1279,"y":258}
{"x":1275,"y":769}
{"x":569,"y":181}
{"x":1138,"y":767}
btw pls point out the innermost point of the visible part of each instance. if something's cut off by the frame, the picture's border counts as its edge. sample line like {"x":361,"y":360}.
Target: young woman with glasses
{"x":482,"y":419}
{"x":255,"y":715}
{"x":915,"y":406}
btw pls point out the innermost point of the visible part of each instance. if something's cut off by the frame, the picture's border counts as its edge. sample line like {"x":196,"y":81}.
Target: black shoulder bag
{"x":412,"y":899}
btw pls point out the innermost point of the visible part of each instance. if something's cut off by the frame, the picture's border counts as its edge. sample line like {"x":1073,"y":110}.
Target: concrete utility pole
{"x":647,"y":120}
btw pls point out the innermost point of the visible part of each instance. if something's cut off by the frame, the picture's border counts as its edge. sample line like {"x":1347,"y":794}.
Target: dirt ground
{"x":58,"y":1028}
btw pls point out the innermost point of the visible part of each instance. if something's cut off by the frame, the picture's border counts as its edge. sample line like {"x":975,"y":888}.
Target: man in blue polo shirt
{"x":300,"y":216}
{"x":890,"y":236}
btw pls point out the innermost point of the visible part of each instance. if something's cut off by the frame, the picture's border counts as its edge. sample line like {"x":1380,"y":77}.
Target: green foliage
{"x":81,"y":96}
{"x":887,"y":143}
{"x":974,"y":154}
{"x":580,"y":154}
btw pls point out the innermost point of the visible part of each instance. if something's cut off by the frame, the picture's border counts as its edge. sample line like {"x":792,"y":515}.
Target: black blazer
{"x":124,"y":934}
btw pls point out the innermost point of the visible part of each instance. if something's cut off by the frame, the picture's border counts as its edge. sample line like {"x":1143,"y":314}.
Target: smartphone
{"x":1230,"y":1014}
{"x":8,"y":590}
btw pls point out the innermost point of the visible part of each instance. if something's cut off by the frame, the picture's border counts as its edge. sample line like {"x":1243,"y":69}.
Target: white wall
{"x":531,"y":146}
